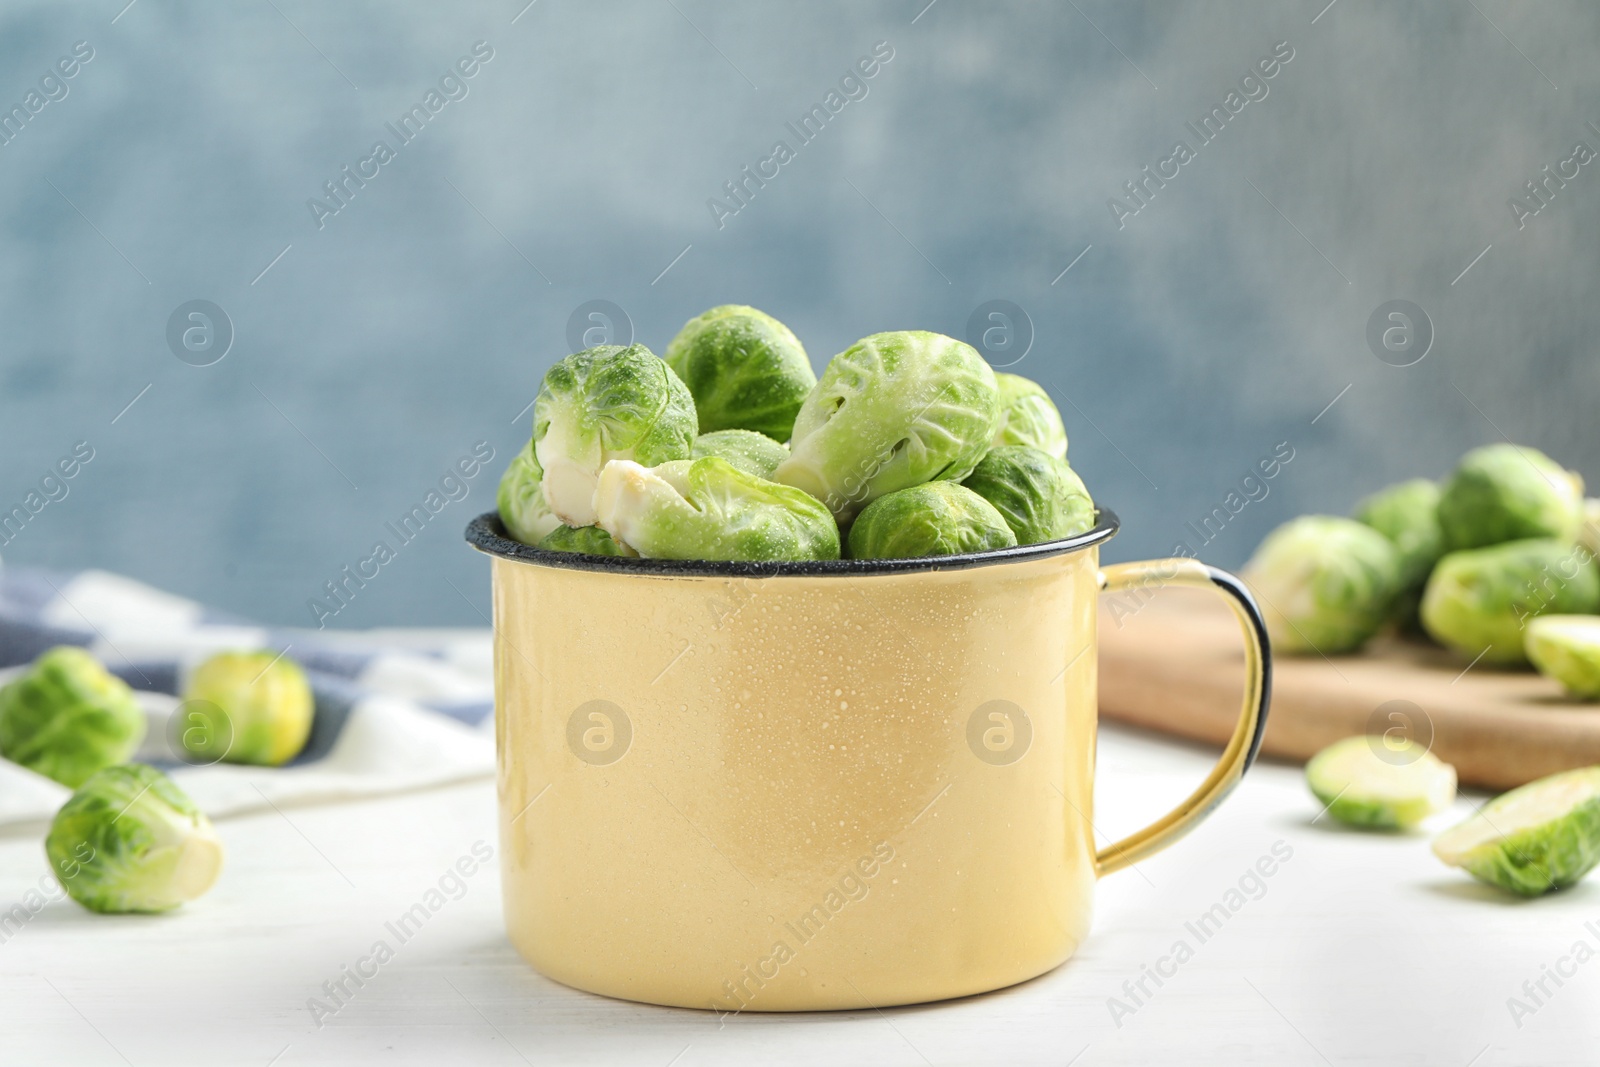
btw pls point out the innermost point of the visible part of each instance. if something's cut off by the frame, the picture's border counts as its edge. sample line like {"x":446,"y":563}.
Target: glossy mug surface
{"x":798,"y":786}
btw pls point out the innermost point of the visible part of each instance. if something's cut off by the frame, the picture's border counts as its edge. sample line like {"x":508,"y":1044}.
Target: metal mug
{"x":814,"y":785}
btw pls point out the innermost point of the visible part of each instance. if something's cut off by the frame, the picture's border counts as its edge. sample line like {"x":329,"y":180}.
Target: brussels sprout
{"x":1028,"y":416}
{"x":1326,"y":583}
{"x":1589,"y":529}
{"x":936,"y":519}
{"x":1408,"y":515}
{"x":745,"y":369}
{"x":708,"y":509}
{"x":891,"y":411}
{"x":1039,"y":496}
{"x":1506,"y":493}
{"x":601,"y":404}
{"x":1541,"y":836}
{"x":1478,"y":600}
{"x":523,"y":510}
{"x":66,"y":718}
{"x":1392,"y":789}
{"x":586,"y":540}
{"x":1567,"y":648}
{"x":131,"y":840}
{"x":751,"y":452}
{"x":261,"y":705}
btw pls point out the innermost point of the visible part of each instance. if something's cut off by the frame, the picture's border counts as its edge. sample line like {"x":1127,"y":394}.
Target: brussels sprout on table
{"x":129,"y":840}
{"x":1506,"y":492}
{"x":1478,"y":600}
{"x":1567,"y":648}
{"x":585,"y":540}
{"x":601,"y":404}
{"x":1380,"y":783}
{"x":67,"y":717}
{"x":747,"y":371}
{"x":708,"y":509}
{"x":1541,"y":836}
{"x":1028,"y":416}
{"x":247,"y":707}
{"x":891,"y":411}
{"x":754,"y":453}
{"x":523,"y":510}
{"x":1326,"y":584}
{"x":936,"y":519}
{"x":1039,"y":496}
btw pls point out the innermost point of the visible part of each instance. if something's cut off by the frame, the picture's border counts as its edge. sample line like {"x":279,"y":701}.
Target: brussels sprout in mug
{"x":708,"y":509}
{"x":585,"y":540}
{"x":1567,"y":648}
{"x":1028,"y":416}
{"x":1039,"y":496}
{"x":747,"y":371}
{"x":936,"y":519}
{"x":1325,"y":583}
{"x":263,"y":703}
{"x":601,"y":404}
{"x":892,"y":411}
{"x":754,"y":453}
{"x":129,"y":840}
{"x":1479,"y":600}
{"x":1380,"y":783}
{"x":1506,"y":492}
{"x":67,"y":717}
{"x":523,"y":510}
{"x":1541,"y":836}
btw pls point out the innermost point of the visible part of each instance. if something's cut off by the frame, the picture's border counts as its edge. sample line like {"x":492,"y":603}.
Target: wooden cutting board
{"x":1175,"y":666}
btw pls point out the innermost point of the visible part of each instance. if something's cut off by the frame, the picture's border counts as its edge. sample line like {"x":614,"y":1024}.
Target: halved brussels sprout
{"x":67,"y":717}
{"x":1541,"y":836}
{"x":263,"y":709}
{"x":1381,"y":783}
{"x":523,"y":510}
{"x":1508,"y":493}
{"x":1478,"y":600}
{"x":601,"y":404}
{"x":1039,"y":496}
{"x":586,"y":540}
{"x":936,"y":519}
{"x":1567,"y":648}
{"x":708,"y":509}
{"x":891,"y":411}
{"x":129,"y":840}
{"x":1028,"y":416}
{"x":754,"y":453}
{"x":1326,"y":584}
{"x":747,"y":371}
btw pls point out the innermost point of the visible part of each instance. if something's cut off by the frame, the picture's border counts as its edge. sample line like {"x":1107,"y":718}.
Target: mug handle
{"x":1246,"y":739}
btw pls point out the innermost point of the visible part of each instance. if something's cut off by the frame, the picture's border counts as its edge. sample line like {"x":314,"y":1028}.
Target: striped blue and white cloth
{"x":396,"y":710}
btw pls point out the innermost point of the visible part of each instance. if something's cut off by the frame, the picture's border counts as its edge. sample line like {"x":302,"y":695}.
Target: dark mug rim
{"x":487,"y":535}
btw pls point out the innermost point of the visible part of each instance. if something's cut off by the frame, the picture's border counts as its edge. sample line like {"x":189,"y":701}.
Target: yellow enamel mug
{"x":813,"y":785}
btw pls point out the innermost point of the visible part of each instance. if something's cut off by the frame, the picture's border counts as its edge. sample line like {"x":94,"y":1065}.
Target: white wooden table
{"x":1359,"y":949}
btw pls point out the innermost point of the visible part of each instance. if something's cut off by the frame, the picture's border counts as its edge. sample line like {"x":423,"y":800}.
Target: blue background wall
{"x":1186,"y":344}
